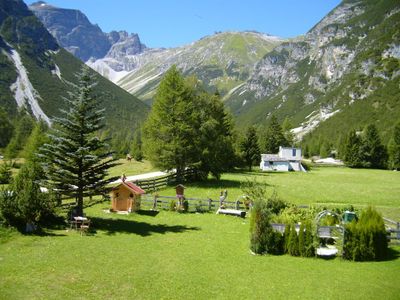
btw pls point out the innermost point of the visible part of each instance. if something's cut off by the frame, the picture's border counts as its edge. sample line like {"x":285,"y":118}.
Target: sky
{"x":172,"y":23}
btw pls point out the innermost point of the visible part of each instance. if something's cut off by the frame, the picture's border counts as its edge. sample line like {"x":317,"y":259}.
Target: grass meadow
{"x":167,"y":255}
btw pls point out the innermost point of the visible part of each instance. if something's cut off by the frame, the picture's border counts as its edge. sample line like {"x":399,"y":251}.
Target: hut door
{"x":122,"y":204}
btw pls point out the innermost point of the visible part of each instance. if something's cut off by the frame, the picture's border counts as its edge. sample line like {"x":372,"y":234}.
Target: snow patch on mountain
{"x":312,"y":122}
{"x":24,"y":92}
{"x":56,"y":72}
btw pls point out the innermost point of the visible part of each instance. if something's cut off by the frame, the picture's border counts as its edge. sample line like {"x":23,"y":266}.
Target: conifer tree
{"x":302,"y":242}
{"x":23,"y":128}
{"x":136,"y":148}
{"x":76,"y":161}
{"x":373,"y":151}
{"x":286,"y":236}
{"x":274,"y":137}
{"x":6,"y":128}
{"x":287,"y":131}
{"x":170,"y":130}
{"x":352,"y":152}
{"x":309,"y":250}
{"x":394,"y":148}
{"x":293,"y":247}
{"x":249,"y":149}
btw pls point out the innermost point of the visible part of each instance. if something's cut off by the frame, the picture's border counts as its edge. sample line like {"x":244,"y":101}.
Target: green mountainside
{"x":36,"y":73}
{"x":343,"y":74}
{"x":221,"y":61}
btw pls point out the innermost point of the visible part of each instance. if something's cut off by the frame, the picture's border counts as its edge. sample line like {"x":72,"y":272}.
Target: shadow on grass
{"x":113,"y":226}
{"x":393,"y":254}
{"x":150,"y":213}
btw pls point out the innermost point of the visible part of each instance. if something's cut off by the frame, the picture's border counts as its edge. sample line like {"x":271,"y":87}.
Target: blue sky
{"x":171,"y":23}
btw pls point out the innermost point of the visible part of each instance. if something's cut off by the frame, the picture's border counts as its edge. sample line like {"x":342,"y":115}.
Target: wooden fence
{"x":154,"y":184}
{"x":393,"y":228}
{"x":194,"y":204}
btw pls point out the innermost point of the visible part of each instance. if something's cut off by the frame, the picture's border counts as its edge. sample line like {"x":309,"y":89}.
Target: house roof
{"x":133,"y":187}
{"x":272,"y":157}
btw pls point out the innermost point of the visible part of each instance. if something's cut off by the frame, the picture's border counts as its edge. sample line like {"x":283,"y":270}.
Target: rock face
{"x":221,"y":61}
{"x":321,"y":77}
{"x":76,"y":34}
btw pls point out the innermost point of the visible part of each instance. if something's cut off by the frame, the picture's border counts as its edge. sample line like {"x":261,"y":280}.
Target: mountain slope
{"x":221,"y":61}
{"x":342,"y":74}
{"x":36,"y":72}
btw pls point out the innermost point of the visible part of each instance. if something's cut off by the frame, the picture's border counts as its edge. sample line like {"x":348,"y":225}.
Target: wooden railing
{"x":194,"y":204}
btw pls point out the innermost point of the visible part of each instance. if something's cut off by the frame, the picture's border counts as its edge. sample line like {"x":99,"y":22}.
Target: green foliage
{"x":172,"y":205}
{"x":293,"y":243}
{"x":352,"y":155}
{"x":6,"y":128}
{"x":309,"y":250}
{"x":136,"y":148}
{"x":394,"y":149}
{"x":276,"y":204}
{"x":24,"y":124}
{"x":374,"y":153}
{"x":24,"y":203}
{"x":286,"y":128}
{"x":249,"y":149}
{"x":5,"y":172}
{"x":76,"y":160}
{"x":273,"y":137}
{"x":36,"y":139}
{"x":263,"y":238}
{"x":302,"y":245}
{"x":286,"y":236}
{"x":366,"y":239}
{"x":187,"y":127}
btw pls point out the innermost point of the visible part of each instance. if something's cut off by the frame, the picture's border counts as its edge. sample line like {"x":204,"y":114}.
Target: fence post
{"x":398,"y":230}
{"x":209,"y":204}
{"x":237,"y":204}
{"x":155,"y":202}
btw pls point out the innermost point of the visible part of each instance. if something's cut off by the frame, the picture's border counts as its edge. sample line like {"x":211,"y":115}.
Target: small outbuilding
{"x":126,"y":197}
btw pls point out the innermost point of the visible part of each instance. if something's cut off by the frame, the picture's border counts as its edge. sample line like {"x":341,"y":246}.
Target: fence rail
{"x":193,"y":204}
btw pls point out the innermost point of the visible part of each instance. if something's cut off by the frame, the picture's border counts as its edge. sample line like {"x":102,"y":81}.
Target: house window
{"x":131,"y":195}
{"x":293,"y":152}
{"x":271,"y":162}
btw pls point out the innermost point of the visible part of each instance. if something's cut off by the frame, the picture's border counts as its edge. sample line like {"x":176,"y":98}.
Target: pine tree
{"x":170,"y":129}
{"x":309,"y":250}
{"x":394,"y":148}
{"x":76,"y":161}
{"x":352,"y":154}
{"x":287,"y":131}
{"x":36,"y":139}
{"x":286,"y":236}
{"x":215,"y":134}
{"x":249,"y":149}
{"x":23,"y":128}
{"x":373,"y":151}
{"x":274,"y":137}
{"x":136,"y":148}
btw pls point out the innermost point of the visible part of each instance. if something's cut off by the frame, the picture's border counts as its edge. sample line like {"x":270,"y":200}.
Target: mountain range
{"x":342,"y":74}
{"x":36,"y":73}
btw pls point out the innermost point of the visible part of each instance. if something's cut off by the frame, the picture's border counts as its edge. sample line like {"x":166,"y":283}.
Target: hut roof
{"x":133,"y":187}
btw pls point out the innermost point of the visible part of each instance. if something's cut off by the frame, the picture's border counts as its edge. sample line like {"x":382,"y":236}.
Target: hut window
{"x":131,"y":195}
{"x":117,"y":194}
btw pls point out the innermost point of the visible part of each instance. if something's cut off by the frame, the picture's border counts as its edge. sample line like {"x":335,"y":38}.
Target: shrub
{"x":306,"y":165}
{"x":172,"y":205}
{"x":366,"y":239}
{"x":275,"y":204}
{"x":309,"y":249}
{"x":302,"y":245}
{"x":263,"y":238}
{"x":293,"y":243}
{"x":5,"y":173}
{"x":286,"y":235}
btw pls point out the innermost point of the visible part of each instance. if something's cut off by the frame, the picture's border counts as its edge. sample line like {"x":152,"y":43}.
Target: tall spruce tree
{"x":373,"y":151}
{"x":6,"y":128}
{"x":352,"y":150}
{"x":136,"y":147}
{"x":274,"y":136}
{"x":394,"y":148}
{"x":76,"y":160}
{"x":249,"y":149}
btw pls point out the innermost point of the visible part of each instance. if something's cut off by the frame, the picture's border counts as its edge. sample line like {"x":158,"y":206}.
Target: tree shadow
{"x":113,"y":226}
{"x":392,"y":254}
{"x":150,"y":213}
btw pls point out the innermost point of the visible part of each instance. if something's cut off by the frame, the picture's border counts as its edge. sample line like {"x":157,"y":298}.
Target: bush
{"x":309,"y":249}
{"x":5,"y":173}
{"x":302,"y":245}
{"x":293,"y":243}
{"x":307,"y":165}
{"x":263,"y":238}
{"x":275,"y":204}
{"x":24,"y":204}
{"x":172,"y":205}
{"x":366,"y":239}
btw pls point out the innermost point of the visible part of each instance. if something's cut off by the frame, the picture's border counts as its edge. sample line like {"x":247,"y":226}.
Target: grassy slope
{"x":178,"y":256}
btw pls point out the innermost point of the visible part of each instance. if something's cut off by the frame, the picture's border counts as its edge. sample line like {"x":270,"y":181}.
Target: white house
{"x":288,"y":159}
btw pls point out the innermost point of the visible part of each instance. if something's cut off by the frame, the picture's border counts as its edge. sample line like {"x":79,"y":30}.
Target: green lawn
{"x":131,"y":168}
{"x":178,"y":256}
{"x":201,"y":256}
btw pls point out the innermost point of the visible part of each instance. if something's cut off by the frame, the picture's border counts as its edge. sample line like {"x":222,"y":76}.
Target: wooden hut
{"x":126,"y":197}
